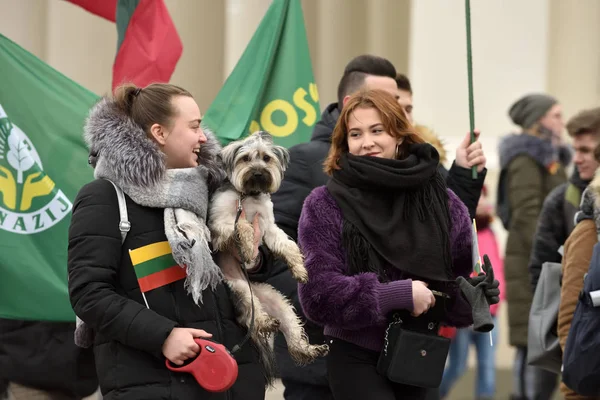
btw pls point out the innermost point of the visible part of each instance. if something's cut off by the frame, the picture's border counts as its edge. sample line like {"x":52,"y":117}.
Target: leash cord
{"x":238,"y":346}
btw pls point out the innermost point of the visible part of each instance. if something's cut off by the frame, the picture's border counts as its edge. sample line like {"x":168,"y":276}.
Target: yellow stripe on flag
{"x":149,"y":252}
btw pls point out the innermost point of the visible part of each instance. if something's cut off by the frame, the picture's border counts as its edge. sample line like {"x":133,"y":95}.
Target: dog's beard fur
{"x":256,"y":177}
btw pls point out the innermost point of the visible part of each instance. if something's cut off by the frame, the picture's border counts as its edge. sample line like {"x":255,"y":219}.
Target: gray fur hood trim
{"x":121,"y":145}
{"x":541,"y":150}
{"x":590,"y":204}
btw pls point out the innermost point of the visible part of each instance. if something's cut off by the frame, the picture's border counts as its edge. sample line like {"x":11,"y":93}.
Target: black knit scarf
{"x":395,"y":213}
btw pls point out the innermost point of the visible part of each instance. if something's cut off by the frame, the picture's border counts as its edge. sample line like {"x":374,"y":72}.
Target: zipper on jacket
{"x":171,"y":289}
{"x":218,"y":317}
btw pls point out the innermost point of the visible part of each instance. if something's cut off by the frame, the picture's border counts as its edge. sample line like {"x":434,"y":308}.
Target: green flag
{"x":272,"y":86}
{"x":42,"y":166}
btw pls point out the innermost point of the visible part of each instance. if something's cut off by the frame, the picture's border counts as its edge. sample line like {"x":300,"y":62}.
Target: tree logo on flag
{"x":29,"y":199}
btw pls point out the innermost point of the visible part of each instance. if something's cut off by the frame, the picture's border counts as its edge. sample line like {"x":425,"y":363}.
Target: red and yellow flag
{"x":155,"y":266}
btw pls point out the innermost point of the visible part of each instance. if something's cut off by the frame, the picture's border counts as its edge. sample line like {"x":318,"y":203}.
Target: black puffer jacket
{"x":103,"y":286}
{"x":105,"y":294}
{"x":43,"y":355}
{"x":555,"y":224}
{"x":305,"y":173}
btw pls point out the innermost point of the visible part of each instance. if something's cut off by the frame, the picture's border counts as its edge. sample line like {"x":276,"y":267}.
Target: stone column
{"x":200,"y":24}
{"x":342,"y":27}
{"x":81,"y":45}
{"x":388,"y":30}
{"x":242,"y":17}
{"x":509,"y":41}
{"x":25,"y":22}
{"x":574,"y":59}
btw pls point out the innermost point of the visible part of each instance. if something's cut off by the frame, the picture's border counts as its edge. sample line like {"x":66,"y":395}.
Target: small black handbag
{"x":413,"y":353}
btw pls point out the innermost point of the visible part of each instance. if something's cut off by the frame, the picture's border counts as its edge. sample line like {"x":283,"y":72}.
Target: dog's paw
{"x":300,"y":274}
{"x":267,"y":325}
{"x":296,"y":265}
{"x":219,"y":243}
{"x":245,"y":237}
{"x":306,"y":354}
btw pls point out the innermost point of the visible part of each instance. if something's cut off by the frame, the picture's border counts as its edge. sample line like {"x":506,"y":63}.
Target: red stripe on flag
{"x":151,"y":48}
{"x":103,"y":8}
{"x":162,"y":278}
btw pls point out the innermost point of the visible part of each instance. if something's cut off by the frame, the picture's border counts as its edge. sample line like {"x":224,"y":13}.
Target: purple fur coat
{"x":353,"y":308}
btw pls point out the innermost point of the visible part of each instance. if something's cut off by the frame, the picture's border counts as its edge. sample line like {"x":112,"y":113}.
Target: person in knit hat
{"x":532,"y":164}
{"x":576,"y":262}
{"x":529,"y":109}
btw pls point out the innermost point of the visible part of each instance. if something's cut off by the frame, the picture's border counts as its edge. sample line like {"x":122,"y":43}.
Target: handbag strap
{"x":124,"y":224}
{"x":396,"y":321}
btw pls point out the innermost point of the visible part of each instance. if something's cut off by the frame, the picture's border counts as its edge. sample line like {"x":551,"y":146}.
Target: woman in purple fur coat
{"x":378,"y":238}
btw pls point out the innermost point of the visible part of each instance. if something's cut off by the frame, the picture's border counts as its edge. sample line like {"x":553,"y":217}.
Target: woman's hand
{"x":423,"y":298}
{"x":180,"y":344}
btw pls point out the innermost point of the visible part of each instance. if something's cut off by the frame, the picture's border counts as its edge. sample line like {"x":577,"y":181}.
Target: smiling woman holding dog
{"x":128,"y":286}
{"x":384,"y":242}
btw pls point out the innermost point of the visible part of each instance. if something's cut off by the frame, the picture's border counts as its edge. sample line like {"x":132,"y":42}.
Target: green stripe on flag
{"x":125,"y":9}
{"x":272,"y":87}
{"x":154,"y":265}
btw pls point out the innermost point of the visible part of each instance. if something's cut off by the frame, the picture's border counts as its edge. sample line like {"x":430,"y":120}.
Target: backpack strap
{"x":124,"y":224}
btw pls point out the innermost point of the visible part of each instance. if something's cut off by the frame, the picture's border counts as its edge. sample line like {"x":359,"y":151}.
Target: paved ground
{"x":462,"y":391}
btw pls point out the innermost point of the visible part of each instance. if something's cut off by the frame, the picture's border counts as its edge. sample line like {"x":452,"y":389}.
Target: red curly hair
{"x":392,"y":117}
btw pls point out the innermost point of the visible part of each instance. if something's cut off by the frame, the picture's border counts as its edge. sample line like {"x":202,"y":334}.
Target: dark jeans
{"x":353,"y":375}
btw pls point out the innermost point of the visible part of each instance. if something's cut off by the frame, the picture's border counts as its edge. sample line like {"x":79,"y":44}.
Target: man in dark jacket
{"x":556,"y":220}
{"x":41,"y":357}
{"x":306,"y":173}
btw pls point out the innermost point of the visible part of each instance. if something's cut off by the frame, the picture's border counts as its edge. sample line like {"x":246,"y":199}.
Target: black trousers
{"x":352,"y":372}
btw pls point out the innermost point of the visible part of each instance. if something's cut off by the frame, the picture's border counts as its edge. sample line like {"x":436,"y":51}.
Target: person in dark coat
{"x":557,"y":218}
{"x":305,"y":173}
{"x":150,"y":143}
{"x":532,"y":164}
{"x":40,"y":358}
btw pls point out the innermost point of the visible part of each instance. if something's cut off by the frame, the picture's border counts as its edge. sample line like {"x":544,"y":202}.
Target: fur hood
{"x":541,"y":150}
{"x":590,"y":203}
{"x":116,"y":142}
{"x":433,"y":139}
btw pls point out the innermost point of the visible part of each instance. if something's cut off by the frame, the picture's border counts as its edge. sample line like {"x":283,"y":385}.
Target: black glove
{"x":481,"y":291}
{"x":492,"y":289}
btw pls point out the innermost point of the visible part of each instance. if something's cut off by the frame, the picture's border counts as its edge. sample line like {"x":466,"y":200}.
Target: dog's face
{"x":255,"y":164}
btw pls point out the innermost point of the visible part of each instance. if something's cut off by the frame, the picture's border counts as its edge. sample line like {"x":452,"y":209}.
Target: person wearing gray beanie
{"x":529,"y":109}
{"x":532,"y":164}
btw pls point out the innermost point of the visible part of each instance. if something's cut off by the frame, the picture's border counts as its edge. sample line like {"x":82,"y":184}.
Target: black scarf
{"x":400,"y":209}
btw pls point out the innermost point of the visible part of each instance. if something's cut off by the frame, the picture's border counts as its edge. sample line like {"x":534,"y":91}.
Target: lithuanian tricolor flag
{"x":155,"y":266}
{"x":148,"y":46}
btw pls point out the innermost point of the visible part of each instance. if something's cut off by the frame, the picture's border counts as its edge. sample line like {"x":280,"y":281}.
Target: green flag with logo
{"x":42,"y":166}
{"x":272,"y":86}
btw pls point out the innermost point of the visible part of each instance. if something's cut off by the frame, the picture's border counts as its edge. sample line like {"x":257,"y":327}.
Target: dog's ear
{"x":283,"y":155}
{"x":228,"y":154}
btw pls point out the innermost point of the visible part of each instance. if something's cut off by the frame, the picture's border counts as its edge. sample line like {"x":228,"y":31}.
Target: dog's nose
{"x":258,"y":174}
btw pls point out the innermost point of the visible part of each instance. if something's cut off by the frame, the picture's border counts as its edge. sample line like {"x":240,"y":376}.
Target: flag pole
{"x":470,"y":80}
{"x":145,"y":301}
